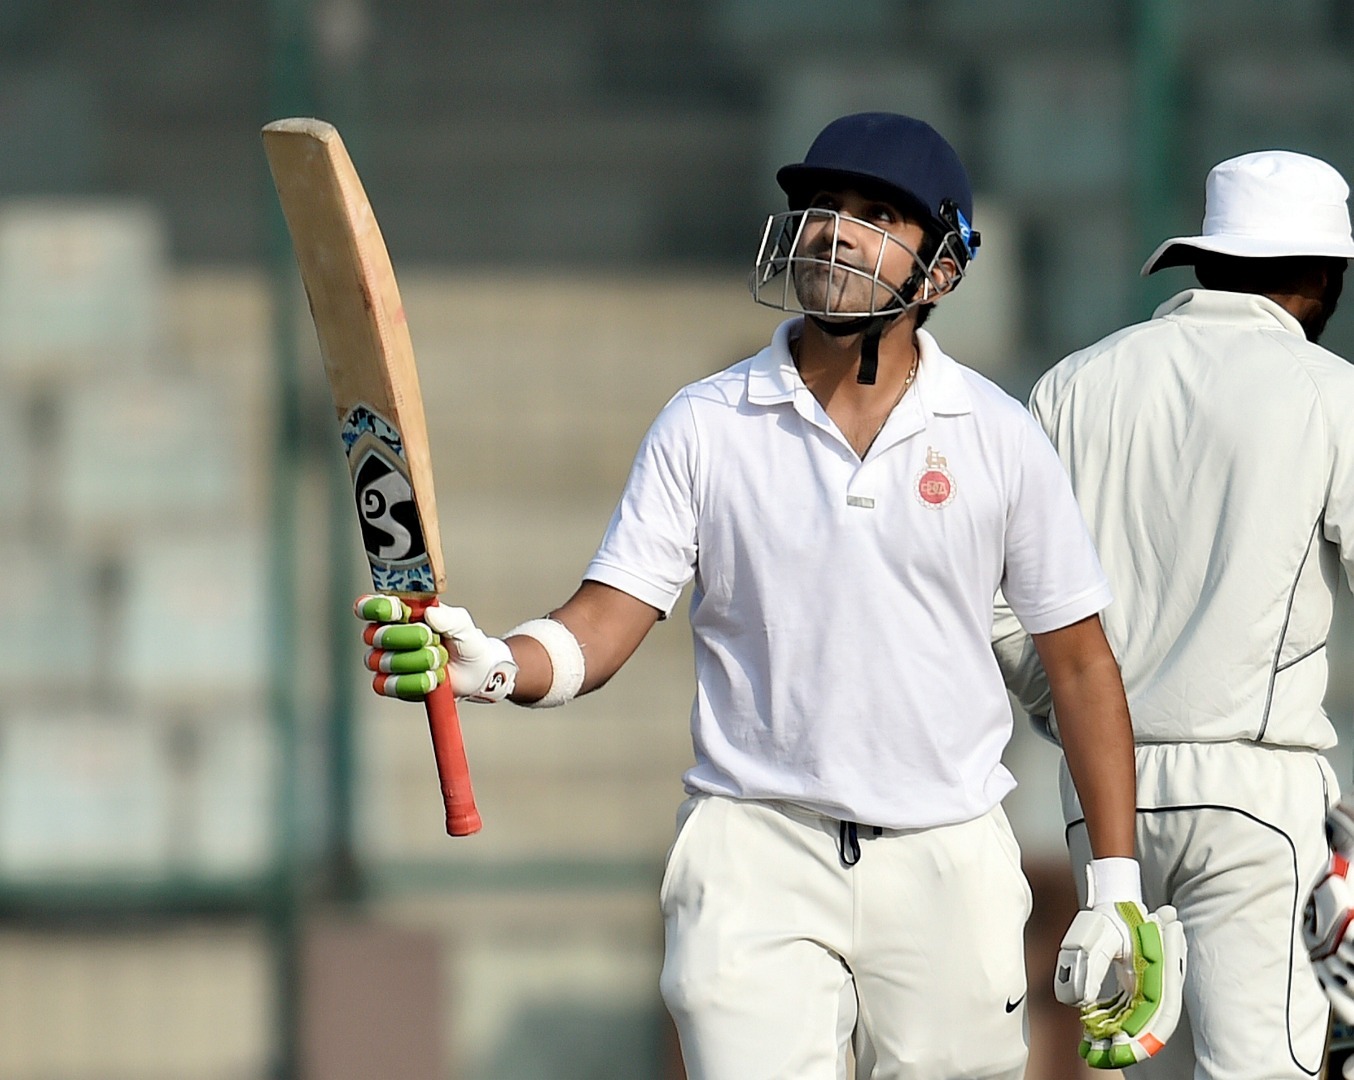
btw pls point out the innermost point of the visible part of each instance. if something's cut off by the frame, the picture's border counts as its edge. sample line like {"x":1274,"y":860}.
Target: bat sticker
{"x":391,"y":532}
{"x":385,"y":504}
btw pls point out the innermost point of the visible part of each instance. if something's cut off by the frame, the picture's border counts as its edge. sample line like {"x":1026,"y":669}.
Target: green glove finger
{"x":1121,"y":1056}
{"x":1098,"y":1057}
{"x":1105,"y":1053}
{"x":379,"y":607}
{"x":413,"y":660}
{"x":402,"y":637}
{"x":411,"y":687}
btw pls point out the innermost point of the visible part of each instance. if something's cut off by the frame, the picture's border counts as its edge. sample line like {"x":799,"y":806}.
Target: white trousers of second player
{"x":1232,"y":835}
{"x":778,"y":954}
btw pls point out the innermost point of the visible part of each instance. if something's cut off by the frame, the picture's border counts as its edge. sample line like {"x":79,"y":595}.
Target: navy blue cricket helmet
{"x":904,"y":156}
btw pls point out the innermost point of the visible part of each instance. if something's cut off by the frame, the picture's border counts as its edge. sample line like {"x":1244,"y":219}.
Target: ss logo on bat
{"x":385,"y":504}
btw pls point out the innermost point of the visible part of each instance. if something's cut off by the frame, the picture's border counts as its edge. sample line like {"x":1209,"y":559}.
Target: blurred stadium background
{"x":222,"y":859}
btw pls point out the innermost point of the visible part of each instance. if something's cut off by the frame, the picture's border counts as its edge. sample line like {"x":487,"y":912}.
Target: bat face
{"x":392,"y":533}
{"x":368,"y":357}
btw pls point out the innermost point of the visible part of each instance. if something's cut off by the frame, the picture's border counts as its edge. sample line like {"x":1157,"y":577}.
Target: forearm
{"x":534,"y":670}
{"x":1095,"y":731}
{"x":1097,"y":740}
{"x":608,"y":626}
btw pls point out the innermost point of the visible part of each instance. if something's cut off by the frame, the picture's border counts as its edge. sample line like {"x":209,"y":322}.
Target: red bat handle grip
{"x":453,"y":771}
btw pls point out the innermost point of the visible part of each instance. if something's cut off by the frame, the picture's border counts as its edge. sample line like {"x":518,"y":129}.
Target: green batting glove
{"x":1135,"y":1023}
{"x":408,"y":658}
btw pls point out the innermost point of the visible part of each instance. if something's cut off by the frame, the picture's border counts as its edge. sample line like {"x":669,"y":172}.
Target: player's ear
{"x":943,"y":277}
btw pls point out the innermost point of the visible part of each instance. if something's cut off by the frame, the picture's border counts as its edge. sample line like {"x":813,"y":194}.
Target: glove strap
{"x":566,"y":660}
{"x":1111,"y":881}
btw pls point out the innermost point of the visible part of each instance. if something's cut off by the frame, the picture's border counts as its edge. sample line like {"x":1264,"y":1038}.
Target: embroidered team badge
{"x":935,"y":485}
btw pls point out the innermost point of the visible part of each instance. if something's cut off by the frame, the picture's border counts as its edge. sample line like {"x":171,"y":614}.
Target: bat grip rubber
{"x":453,"y":770}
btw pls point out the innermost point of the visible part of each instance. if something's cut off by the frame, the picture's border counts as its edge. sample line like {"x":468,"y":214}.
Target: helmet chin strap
{"x":872,"y":326}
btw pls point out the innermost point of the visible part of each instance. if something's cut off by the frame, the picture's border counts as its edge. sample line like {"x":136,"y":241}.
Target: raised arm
{"x":546,"y":661}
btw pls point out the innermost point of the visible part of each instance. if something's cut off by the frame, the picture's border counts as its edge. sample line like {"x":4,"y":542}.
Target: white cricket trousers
{"x":778,"y":954}
{"x":1233,"y":835}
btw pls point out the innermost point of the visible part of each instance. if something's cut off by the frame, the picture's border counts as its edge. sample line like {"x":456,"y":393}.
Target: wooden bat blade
{"x":367,"y":352}
{"x":369,"y":360}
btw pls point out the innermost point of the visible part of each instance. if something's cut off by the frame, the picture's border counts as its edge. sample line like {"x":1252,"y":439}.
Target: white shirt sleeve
{"x":649,"y":549}
{"x":1053,"y":576}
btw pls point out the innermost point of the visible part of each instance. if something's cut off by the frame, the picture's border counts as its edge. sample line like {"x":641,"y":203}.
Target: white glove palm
{"x":412,"y":659}
{"x":1328,"y":921}
{"x":1141,"y":956}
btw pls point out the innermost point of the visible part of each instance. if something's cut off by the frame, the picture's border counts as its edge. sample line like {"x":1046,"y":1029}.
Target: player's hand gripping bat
{"x":369,"y":359}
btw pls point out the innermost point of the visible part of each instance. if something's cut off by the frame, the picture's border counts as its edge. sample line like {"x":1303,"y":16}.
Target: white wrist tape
{"x":566,"y":660}
{"x":1110,"y":881}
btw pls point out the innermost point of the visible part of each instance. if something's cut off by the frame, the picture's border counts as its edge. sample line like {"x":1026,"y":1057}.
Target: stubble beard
{"x":829,"y":291}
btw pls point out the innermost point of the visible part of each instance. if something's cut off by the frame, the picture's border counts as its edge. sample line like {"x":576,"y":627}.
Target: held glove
{"x":1124,"y":968}
{"x":1328,"y":920}
{"x":412,"y":659}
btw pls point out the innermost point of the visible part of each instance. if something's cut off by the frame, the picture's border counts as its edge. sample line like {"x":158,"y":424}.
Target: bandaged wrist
{"x":1111,"y":881}
{"x":566,"y":660}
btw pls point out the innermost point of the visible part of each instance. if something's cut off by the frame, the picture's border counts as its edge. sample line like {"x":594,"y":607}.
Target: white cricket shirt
{"x":842,"y":609}
{"x":1212,"y":451}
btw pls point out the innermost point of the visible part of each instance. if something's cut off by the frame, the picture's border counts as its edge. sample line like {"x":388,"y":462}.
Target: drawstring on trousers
{"x":848,"y":841}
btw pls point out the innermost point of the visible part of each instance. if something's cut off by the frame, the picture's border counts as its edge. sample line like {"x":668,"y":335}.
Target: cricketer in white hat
{"x":1211,"y":451}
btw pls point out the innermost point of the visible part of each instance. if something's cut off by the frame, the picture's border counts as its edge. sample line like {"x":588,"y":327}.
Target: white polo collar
{"x":773,"y":378}
{"x":1214,"y":305}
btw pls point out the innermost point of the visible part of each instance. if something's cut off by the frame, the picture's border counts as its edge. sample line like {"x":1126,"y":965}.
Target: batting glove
{"x":1141,"y":955}
{"x":412,"y":659}
{"x":1328,"y":921}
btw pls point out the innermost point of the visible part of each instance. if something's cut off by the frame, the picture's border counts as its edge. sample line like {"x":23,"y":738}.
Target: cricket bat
{"x":369,"y":359}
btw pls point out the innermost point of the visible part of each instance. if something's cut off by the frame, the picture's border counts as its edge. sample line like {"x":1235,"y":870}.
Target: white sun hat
{"x":1266,"y":205}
